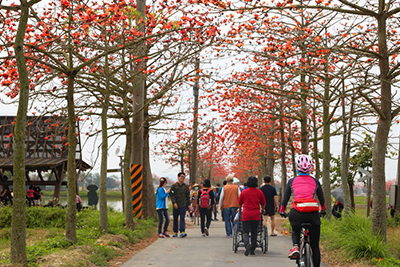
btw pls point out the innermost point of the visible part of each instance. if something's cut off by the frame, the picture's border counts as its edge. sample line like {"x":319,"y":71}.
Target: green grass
{"x":351,"y":237}
{"x":101,"y":255}
{"x":362,"y":200}
{"x":88,"y":232}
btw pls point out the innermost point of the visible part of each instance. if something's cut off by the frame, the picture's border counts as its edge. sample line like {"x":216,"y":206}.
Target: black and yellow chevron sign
{"x":136,"y":181}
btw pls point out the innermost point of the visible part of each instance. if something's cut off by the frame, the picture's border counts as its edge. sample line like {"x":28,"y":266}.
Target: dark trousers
{"x":215,"y":211}
{"x":179,"y":212}
{"x":296,"y":219}
{"x":205,"y":213}
{"x":163,"y":213}
{"x":30,"y":201}
{"x":250,"y":227}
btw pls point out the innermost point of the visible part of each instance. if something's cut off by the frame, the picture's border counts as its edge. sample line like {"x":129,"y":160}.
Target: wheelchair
{"x":262,"y":235}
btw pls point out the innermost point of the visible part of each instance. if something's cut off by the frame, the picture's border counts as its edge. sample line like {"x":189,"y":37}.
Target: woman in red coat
{"x":253,"y":202}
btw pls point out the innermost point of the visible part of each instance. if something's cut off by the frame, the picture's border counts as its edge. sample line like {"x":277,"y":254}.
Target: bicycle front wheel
{"x":308,"y":256}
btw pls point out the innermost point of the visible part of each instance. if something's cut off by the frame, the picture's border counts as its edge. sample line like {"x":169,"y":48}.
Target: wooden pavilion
{"x":46,"y":150}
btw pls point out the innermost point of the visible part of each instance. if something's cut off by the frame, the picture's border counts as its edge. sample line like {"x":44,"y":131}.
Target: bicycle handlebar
{"x":284,"y":214}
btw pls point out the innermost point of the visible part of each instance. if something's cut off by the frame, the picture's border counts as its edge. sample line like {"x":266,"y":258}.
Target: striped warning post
{"x":136,"y":181}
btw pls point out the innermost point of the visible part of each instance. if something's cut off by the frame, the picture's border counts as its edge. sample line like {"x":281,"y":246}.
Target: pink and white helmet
{"x":303,"y":163}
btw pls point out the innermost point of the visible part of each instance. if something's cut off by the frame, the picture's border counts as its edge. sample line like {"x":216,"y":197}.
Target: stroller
{"x":262,"y":235}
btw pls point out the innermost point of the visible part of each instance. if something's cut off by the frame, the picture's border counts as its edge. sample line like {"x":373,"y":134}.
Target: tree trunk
{"x":193,"y":166}
{"x":103,"y":220}
{"x":315,"y":143}
{"x":70,"y":226}
{"x":378,"y":221}
{"x":18,"y":232}
{"x":292,"y":150}
{"x":149,"y":200}
{"x":103,"y":168}
{"x":138,"y":103}
{"x":129,"y":224}
{"x":346,"y":154}
{"x":271,"y":160}
{"x":326,"y":139}
{"x":283,"y":159}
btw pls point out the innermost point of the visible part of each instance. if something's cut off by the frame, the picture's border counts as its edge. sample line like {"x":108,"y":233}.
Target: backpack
{"x":205,"y":200}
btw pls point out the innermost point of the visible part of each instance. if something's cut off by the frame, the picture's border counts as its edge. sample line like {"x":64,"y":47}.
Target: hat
{"x":235,"y":180}
{"x":196,"y":185}
{"x":229,"y":178}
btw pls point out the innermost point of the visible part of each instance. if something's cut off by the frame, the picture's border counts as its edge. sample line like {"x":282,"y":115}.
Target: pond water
{"x":112,"y":202}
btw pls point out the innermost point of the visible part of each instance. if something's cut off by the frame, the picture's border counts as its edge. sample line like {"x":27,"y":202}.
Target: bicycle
{"x":305,"y":257}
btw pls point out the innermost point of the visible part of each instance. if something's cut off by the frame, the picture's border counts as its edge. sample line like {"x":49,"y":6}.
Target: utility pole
{"x":367,"y":177}
{"x":193,"y":168}
{"x":121,"y":165}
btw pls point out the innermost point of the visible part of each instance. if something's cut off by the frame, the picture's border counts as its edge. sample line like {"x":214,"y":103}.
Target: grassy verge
{"x":47,"y":246}
{"x":351,"y":242}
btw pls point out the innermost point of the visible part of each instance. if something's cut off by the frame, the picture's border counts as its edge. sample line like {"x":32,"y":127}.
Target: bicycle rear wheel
{"x":307,"y":256}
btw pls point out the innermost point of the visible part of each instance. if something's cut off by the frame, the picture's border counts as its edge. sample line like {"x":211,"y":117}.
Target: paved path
{"x":214,"y":250}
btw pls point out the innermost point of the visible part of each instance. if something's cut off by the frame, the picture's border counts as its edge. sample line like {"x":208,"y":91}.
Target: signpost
{"x":367,"y":176}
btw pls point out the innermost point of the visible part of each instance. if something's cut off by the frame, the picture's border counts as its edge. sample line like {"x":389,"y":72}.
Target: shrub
{"x":5,"y":234}
{"x":38,"y":217}
{"x":5,"y":217}
{"x":353,"y":236}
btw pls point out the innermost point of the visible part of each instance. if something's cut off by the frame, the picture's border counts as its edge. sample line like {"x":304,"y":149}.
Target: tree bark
{"x":283,"y":159}
{"x":149,"y":200}
{"x":378,"y":222}
{"x":270,"y":160}
{"x":138,"y":96}
{"x":70,"y":226}
{"x":346,"y":154}
{"x":326,"y":140}
{"x":103,"y":218}
{"x":18,"y":232}
{"x":103,"y":168}
{"x":129,"y":223}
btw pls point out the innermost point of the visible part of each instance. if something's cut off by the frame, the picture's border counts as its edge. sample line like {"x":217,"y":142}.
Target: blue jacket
{"x":161,"y":200}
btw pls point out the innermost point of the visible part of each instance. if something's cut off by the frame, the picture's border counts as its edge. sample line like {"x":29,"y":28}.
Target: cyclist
{"x":305,"y":208}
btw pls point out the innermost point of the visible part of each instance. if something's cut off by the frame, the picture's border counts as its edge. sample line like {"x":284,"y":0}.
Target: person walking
{"x":162,"y":208}
{"x":253,"y":202}
{"x":305,"y":209}
{"x":5,"y":195}
{"x":37,"y":195}
{"x":218,"y":197}
{"x":205,"y":203}
{"x":180,"y":197}
{"x":272,"y":204}
{"x":78,"y":203}
{"x":29,"y":196}
{"x":228,"y":203}
{"x":215,"y":206}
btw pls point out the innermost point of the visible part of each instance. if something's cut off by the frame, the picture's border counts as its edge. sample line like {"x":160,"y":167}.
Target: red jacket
{"x":251,"y":198}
